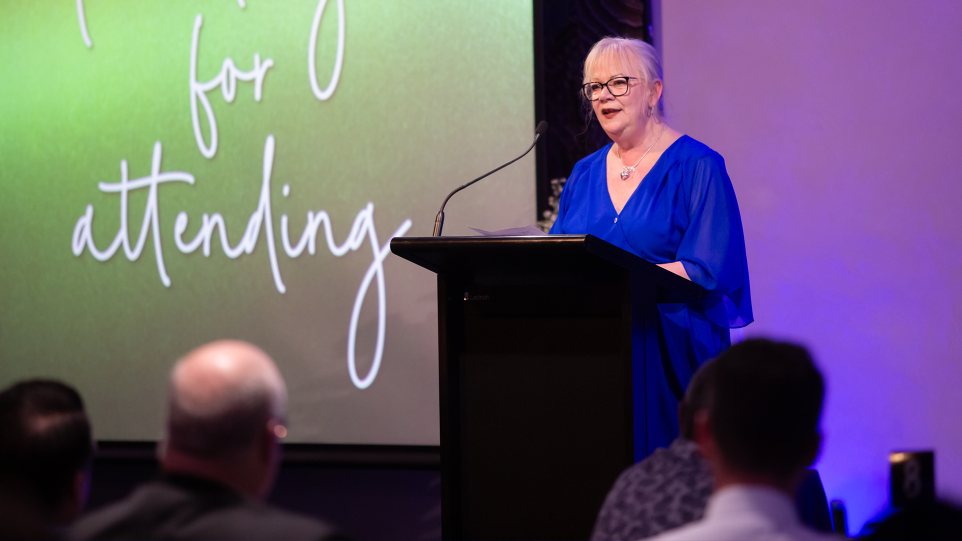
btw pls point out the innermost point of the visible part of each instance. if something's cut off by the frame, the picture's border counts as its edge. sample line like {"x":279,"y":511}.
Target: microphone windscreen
{"x":542,"y":127}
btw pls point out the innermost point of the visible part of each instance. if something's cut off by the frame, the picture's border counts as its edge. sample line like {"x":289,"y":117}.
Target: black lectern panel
{"x":541,"y":397}
{"x":545,"y":378}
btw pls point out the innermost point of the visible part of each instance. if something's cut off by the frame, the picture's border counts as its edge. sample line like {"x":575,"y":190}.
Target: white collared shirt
{"x":747,"y":513}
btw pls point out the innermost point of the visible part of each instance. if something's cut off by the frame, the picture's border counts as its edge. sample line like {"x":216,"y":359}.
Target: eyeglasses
{"x":618,"y":86}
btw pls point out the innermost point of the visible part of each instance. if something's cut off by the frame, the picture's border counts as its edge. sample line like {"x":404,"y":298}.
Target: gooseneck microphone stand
{"x":439,"y":221}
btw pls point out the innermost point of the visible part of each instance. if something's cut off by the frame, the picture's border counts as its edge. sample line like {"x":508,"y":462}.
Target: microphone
{"x":439,"y":221}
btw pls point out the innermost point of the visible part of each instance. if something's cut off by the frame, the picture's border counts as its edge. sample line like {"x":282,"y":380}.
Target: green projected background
{"x":427,"y":95}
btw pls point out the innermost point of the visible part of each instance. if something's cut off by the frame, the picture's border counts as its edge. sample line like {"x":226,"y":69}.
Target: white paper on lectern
{"x":526,"y":231}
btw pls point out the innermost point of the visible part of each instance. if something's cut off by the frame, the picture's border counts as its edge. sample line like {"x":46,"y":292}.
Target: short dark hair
{"x":765,"y":407}
{"x":44,"y":439}
{"x":697,"y":397}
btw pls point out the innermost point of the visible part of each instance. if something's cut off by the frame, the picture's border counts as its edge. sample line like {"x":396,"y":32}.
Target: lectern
{"x":544,"y":384}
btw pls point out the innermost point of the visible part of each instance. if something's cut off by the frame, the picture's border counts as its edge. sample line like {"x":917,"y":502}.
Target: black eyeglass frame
{"x":585,"y":91}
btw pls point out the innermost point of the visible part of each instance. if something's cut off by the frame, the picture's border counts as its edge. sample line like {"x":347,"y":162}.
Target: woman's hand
{"x":677,"y":268}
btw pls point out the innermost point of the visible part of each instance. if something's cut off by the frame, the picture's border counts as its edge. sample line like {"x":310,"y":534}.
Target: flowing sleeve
{"x":712,"y":249}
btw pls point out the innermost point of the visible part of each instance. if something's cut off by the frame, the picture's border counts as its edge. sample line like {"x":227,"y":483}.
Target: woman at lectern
{"x":666,"y":198}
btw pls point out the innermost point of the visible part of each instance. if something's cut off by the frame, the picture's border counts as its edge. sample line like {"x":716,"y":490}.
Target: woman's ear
{"x":655,"y":94}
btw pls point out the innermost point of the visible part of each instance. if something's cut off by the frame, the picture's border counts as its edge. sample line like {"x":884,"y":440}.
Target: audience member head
{"x":761,"y":425}
{"x":45,"y":454}
{"x":696,"y":399}
{"x":226,"y":413}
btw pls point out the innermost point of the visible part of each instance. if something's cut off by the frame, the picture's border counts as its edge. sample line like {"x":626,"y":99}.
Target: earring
{"x":650,"y":110}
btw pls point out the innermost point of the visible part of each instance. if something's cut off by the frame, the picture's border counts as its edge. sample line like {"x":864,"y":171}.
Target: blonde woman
{"x":666,"y":198}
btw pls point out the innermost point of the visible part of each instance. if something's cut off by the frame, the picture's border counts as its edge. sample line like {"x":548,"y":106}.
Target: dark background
{"x":565,"y":30}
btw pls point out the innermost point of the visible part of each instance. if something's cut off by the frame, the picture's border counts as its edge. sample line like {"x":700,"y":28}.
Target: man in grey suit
{"x":220,"y":457}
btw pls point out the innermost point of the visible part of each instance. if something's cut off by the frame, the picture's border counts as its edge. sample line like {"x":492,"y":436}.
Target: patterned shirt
{"x":666,"y":490}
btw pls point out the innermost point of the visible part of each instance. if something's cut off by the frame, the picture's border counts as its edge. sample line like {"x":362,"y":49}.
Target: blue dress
{"x":683,"y":210}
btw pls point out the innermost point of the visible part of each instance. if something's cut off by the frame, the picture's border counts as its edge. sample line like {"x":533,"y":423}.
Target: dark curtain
{"x":569,"y":29}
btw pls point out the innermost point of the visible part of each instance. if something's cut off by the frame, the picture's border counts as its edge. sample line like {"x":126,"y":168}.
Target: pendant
{"x":626,"y":172}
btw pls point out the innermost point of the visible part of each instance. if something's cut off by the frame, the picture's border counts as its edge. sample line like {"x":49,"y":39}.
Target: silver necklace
{"x":627,"y":171}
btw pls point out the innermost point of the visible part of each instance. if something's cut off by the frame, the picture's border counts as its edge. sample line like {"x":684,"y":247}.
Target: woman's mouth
{"x":608,"y":112}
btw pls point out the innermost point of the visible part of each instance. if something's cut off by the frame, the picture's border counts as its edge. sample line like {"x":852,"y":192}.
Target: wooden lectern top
{"x":550,"y":254}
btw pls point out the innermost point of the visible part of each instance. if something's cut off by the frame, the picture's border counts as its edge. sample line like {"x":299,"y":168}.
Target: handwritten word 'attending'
{"x":211,"y":225}
{"x":362,"y":230}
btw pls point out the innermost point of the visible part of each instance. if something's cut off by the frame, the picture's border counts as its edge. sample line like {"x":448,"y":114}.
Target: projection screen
{"x":173,"y":173}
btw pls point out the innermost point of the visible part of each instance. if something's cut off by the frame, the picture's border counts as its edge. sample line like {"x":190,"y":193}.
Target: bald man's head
{"x":222,"y":395}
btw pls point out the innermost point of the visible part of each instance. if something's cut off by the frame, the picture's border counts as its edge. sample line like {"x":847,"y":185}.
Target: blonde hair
{"x":628,"y":53}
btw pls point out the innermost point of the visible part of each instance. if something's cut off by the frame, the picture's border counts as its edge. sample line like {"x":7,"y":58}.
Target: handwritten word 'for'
{"x":361,"y":230}
{"x":229,"y":74}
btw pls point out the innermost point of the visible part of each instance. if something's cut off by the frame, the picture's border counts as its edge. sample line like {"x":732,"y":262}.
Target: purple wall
{"x":841,"y":126}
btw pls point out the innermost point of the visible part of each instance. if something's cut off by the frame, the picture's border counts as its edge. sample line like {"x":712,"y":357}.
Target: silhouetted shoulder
{"x":196,"y":509}
{"x":257,"y":520}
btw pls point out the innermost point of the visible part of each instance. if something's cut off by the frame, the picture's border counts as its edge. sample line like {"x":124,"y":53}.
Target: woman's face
{"x":620,"y":115}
